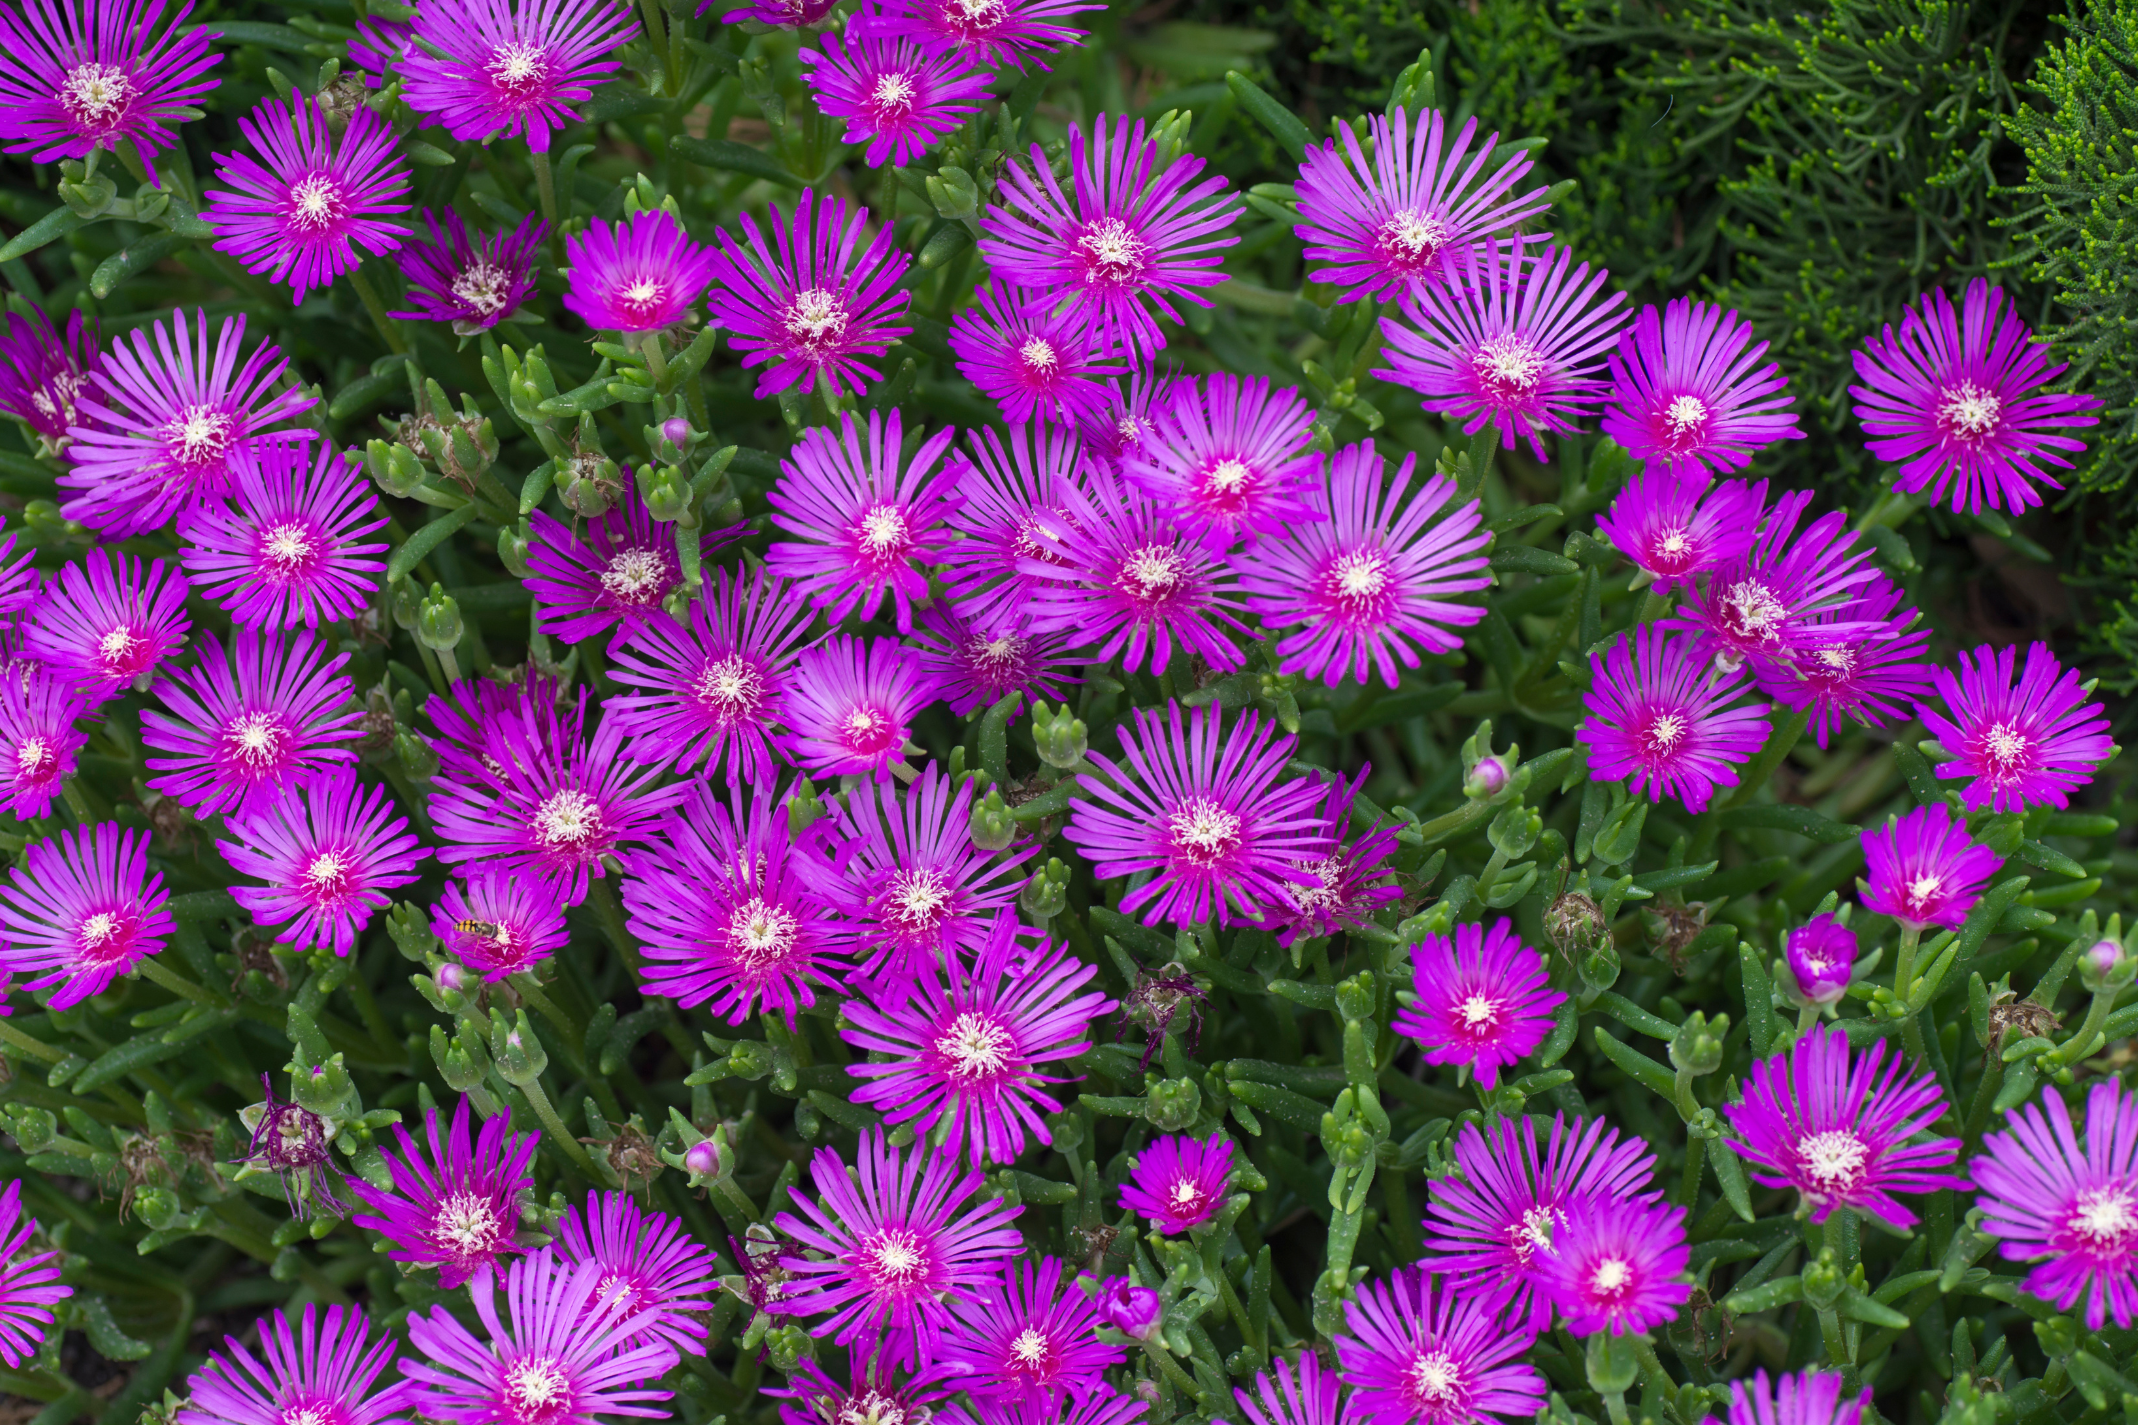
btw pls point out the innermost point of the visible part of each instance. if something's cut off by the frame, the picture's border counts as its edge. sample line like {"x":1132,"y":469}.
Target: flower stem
{"x":171,"y":980}
{"x":656,"y":362}
{"x":2104,"y":1000}
{"x":1179,"y":1379}
{"x":546,"y":188}
{"x":547,"y":1112}
{"x":35,"y":1047}
{"x":1615,"y":1403}
{"x":1904,"y":967}
{"x":390,"y":329}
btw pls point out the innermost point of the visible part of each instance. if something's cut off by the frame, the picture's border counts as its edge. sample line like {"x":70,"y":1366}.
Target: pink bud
{"x":1822,"y":955}
{"x":1133,"y":1309}
{"x":676,"y":429}
{"x":703,"y":1158}
{"x":1486,"y":778}
{"x":451,"y":977}
{"x":2104,"y":955}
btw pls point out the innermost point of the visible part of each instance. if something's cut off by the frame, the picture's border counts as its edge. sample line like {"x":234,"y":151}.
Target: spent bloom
{"x":1922,"y":870}
{"x":327,"y":1368}
{"x":239,"y":729}
{"x":867,"y":518}
{"x":1029,"y":1336}
{"x":1775,"y":601}
{"x":1032,"y":360}
{"x":491,"y":68}
{"x":727,"y":913}
{"x":292,"y":550}
{"x":654,"y":1276}
{"x":81,"y":911}
{"x":1127,"y":242}
{"x":985,"y":33}
{"x":1510,"y":341}
{"x":39,"y":739}
{"x":1675,"y":530}
{"x":709,"y":692}
{"x":328,"y":852}
{"x":1957,"y":402}
{"x":1230,"y":460}
{"x":1371,"y":582}
{"x":898,"y":97}
{"x":1490,"y":1228}
{"x":295,"y":1144}
{"x":641,"y":275}
{"x":887,"y":1252}
{"x":1352,"y":881}
{"x":299,"y":211}
{"x":42,"y":376}
{"x":1305,"y":1397}
{"x":1481,"y":1000}
{"x":1206,"y":809}
{"x":82,"y":75}
{"x":1821,"y":954}
{"x":1006,"y":493}
{"x":1871,"y":679}
{"x":966,"y":1046}
{"x":561,"y":1354}
{"x":1659,"y":715}
{"x":1812,"y":1398}
{"x":29,"y":1282}
{"x":851,"y":706}
{"x":162,"y":425}
{"x":817,"y":305}
{"x":1179,"y":1182}
{"x":1618,"y":1266}
{"x":498,"y":924}
{"x":2073,"y":1210}
{"x":2027,"y":743}
{"x":457,"y":1209}
{"x":1415,"y":212}
{"x":1689,"y":397}
{"x":107,"y":621}
{"x":1836,"y":1126}
{"x":473,"y":280}
{"x":1415,"y":1351}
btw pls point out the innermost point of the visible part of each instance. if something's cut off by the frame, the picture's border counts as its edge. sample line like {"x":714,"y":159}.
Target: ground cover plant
{"x":1024,"y":713}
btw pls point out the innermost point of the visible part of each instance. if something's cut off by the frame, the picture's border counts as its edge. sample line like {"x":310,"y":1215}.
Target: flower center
{"x":762,"y":934}
{"x":1665,"y":730}
{"x":2102,"y":1218}
{"x":1480,"y":1013}
{"x":569,"y":820}
{"x":329,"y":877}
{"x":730,"y":688}
{"x":95,"y":95}
{"x":977,"y":16}
{"x":466,"y":1225}
{"x":875,"y":1407}
{"x":1356,"y":580}
{"x":105,"y":937}
{"x":287,"y":550}
{"x":1039,"y":357}
{"x":635,"y":577}
{"x":1434,"y":1379}
{"x":257,"y":741}
{"x":1921,"y":891}
{"x":1673,"y":545}
{"x":1970,"y":413}
{"x":310,"y":1412}
{"x":1152,"y":573}
{"x":1750,"y":610}
{"x":199,"y":438}
{"x":1203,"y":833}
{"x":643,"y":301}
{"x":917,"y":902}
{"x":35,"y":759}
{"x":882,"y":532}
{"x":1684,"y":420}
{"x":815,"y":320}
{"x":1533,"y":1231}
{"x":1411,"y":239}
{"x":1833,"y":1159}
{"x":519,"y":71}
{"x":537,"y":1389}
{"x":1836,"y":662}
{"x":483,"y":288}
{"x":1509,"y":368}
{"x":996,"y":659}
{"x":1611,"y":1277}
{"x":316,"y":203}
{"x":2004,"y":748}
{"x":976,"y":1046}
{"x":1029,"y":1348}
{"x":1114,"y":256}
{"x":897,"y":1257}
{"x":868,"y":732}
{"x":122,"y":653}
{"x":1325,"y":896}
{"x":894,"y":94}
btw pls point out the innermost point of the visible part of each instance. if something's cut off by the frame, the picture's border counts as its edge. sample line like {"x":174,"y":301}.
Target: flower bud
{"x":438,"y":625}
{"x":393,"y":467}
{"x":1487,"y":776}
{"x":1172,"y":1105}
{"x":703,"y":1158}
{"x":1821,"y":955}
{"x":675,"y":429}
{"x":1598,"y":965}
{"x":1697,"y":1046}
{"x":1515,"y":830}
{"x":512,"y":543}
{"x":992,"y":827}
{"x":1047,"y":893}
{"x":407,"y":603}
{"x":1061,"y":739}
{"x":2104,"y":966}
{"x":451,"y":977}
{"x":1128,"y":1308}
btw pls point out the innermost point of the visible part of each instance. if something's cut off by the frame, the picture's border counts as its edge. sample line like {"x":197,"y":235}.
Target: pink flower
{"x":1658,"y":715}
{"x":1179,"y":1182}
{"x":459,"y":1208}
{"x":39,"y":738}
{"x":987,"y":33}
{"x":1416,"y":1351}
{"x":1030,"y":358}
{"x":1923,"y":870}
{"x":895,"y":96}
{"x":82,"y":910}
{"x":1230,"y":460}
{"x":2026,"y":743}
{"x":1007,"y":494}
{"x":290,"y":551}
{"x":852,"y":705}
{"x":108,"y":621}
{"x":1675,"y":530}
{"x":328,"y":852}
{"x":1482,"y":1000}
{"x":492,"y":68}
{"x":1688,"y":396}
{"x":81,"y":75}
{"x":1618,"y":1267}
{"x":499,"y":924}
{"x":641,"y":275}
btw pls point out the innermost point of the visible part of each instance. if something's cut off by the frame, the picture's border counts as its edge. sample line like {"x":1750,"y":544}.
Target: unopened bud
{"x":2104,"y":966}
{"x":1172,"y":1104}
{"x":1486,"y":778}
{"x":451,"y":977}
{"x":1061,"y":739}
{"x":1047,"y":893}
{"x":992,"y":826}
{"x":1821,"y":955}
{"x":703,"y":1158}
{"x":667,"y":494}
{"x":676,"y":430}
{"x":438,"y":625}
{"x":1129,"y":1308}
{"x":393,"y":467}
{"x":512,"y":542}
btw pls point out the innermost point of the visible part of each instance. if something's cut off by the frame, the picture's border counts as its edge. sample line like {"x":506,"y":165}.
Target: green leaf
{"x":49,"y":228}
{"x":1646,"y":1072}
{"x":1783,"y":817}
{"x":424,"y":540}
{"x":732,"y":157}
{"x":1286,"y":127}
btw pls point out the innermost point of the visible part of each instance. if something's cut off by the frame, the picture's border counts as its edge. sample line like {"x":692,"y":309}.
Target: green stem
{"x":1781,"y":740}
{"x":546,"y":189}
{"x":1806,"y":1018}
{"x":176,"y":983}
{"x":1179,"y":1379}
{"x":34,"y":1047}
{"x":450,"y":664}
{"x":1904,"y":966}
{"x":2096,"y":1016}
{"x":1615,"y":1403}
{"x":75,"y":804}
{"x":523,"y":984}
{"x":602,"y":897}
{"x":656,"y":360}
{"x":1695,"y":1163}
{"x":388,"y":328}
{"x":546,"y":1111}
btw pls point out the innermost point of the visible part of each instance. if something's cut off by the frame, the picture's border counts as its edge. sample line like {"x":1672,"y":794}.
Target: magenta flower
{"x":1306,"y":1398}
{"x":29,"y":1283}
{"x":1030,"y":1336}
{"x":1812,"y":1398}
{"x":639,"y":276}
{"x":727,"y":912}
{"x":1509,"y":340}
{"x":654,"y":1277}
{"x":1958,"y":404}
{"x":1923,"y":870}
{"x":2072,"y":1210}
{"x":377,"y":47}
{"x":328,"y":852}
{"x":81,"y":911}
{"x":1417,"y":1352}
{"x":43,"y":378}
{"x":852,"y":704}
{"x":1774,"y":601}
{"x":814,"y":302}
{"x":1482,"y":1000}
{"x":291,"y":551}
{"x":966,"y":1046}
{"x":897,"y":97}
{"x":162,"y":427}
{"x":1179,"y":1182}
{"x":1490,"y":1228}
{"x":559,"y":1355}
{"x":1205,"y":811}
{"x":551,"y":812}
{"x":1007,"y":494}
{"x":473,"y":280}
{"x":1870,"y":679}
{"x":614,"y":575}
{"x":1658,"y":715}
{"x":1675,"y":530}
{"x":1830,"y":1124}
{"x":1128,"y":421}
{"x":240,"y":729}
{"x":872,"y":1392}
{"x":298,"y":212}
{"x":909,"y":889}
{"x":989,"y":34}
{"x":512,"y":68}
{"x":1371,"y":579}
{"x":1351,"y":882}
{"x":2026,"y":744}
{"x":1617,"y":1266}
{"x":1821,"y":954}
{"x":107,"y":621}
{"x":710,"y":693}
{"x":1114,"y":567}
{"x":888,"y":1253}
{"x":330,"y":1369}
{"x":1130,"y":1309}
{"x":1030,"y":359}
{"x":498,"y":924}
{"x":1688,"y":395}
{"x":973,"y":667}
{"x":82,"y":75}
{"x":459,"y":1208}
{"x":867,"y":517}
{"x":39,"y":739}
{"x":1414,"y":214}
{"x":475,"y":719}
{"x":1130,"y":242}
{"x":1230,"y":460}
